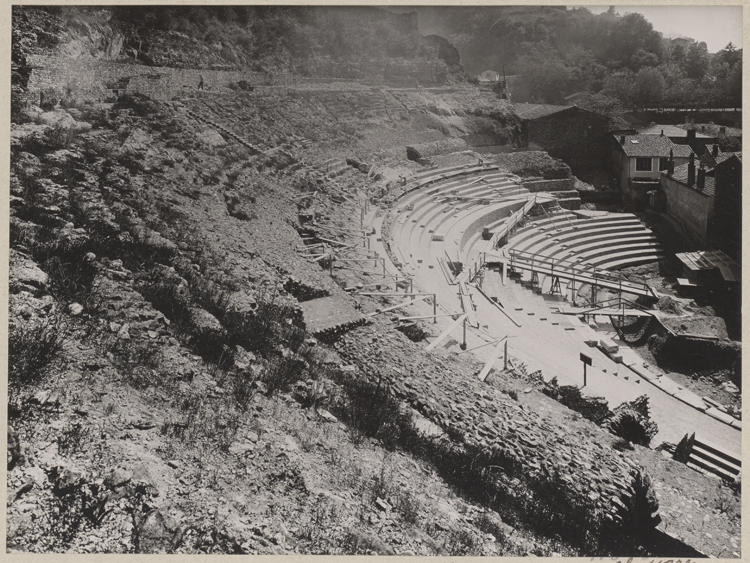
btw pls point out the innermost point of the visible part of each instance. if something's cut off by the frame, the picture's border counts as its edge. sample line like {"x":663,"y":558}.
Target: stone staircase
{"x":712,"y":459}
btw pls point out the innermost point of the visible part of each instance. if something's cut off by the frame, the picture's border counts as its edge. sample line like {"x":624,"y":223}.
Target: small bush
{"x":169,"y":299}
{"x":71,"y":275}
{"x":596,"y":409}
{"x":460,"y":542}
{"x":32,"y":347}
{"x":243,"y":389}
{"x":489,"y":525}
{"x":371,"y":410}
{"x":73,"y":439}
{"x":407,"y":505}
{"x":632,"y":422}
{"x":280,"y":373}
{"x":640,"y":511}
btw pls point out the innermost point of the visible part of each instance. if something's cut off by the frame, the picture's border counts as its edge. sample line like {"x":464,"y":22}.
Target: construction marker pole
{"x":434,"y":308}
{"x":463,"y":345}
{"x":505,"y":355}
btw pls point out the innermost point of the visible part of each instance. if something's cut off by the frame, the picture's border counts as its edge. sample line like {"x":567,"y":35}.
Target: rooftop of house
{"x":672,"y":131}
{"x":488,"y":76}
{"x":710,"y":260}
{"x":713,"y":130}
{"x":723,"y":157}
{"x":651,"y":145}
{"x":681,"y":175}
{"x":533,"y":111}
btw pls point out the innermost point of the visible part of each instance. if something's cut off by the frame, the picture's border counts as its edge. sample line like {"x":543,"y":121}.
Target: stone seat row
{"x":455,"y":212}
{"x":606,"y":241}
{"x":416,"y":210}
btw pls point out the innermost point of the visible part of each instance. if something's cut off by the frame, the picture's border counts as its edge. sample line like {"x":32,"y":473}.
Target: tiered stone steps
{"x":714,"y":460}
{"x":450,"y":208}
{"x":606,"y":241}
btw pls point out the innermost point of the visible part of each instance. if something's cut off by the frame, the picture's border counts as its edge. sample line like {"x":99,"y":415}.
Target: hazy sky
{"x":716,"y":25}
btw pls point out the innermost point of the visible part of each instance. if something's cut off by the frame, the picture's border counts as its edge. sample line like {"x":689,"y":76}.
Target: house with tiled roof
{"x":680,"y":135}
{"x":637,"y":162}
{"x":574,"y":135}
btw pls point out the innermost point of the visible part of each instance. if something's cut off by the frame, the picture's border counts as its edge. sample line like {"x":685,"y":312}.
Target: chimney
{"x":715,"y":150}
{"x":723,"y":130}
{"x":662,"y":133}
{"x":687,"y":120}
{"x":622,"y":139}
{"x":691,"y":171}
{"x":703,"y":128}
{"x":701,"y":178}
{"x":670,"y":164}
{"x":691,"y":134}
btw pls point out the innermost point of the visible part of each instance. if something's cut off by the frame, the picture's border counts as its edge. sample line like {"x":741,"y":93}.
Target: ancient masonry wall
{"x":91,"y":79}
{"x":561,"y":185}
{"x":95,"y":79}
{"x":489,"y":420}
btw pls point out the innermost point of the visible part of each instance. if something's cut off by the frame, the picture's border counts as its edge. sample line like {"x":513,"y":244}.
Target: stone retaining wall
{"x":511,"y":435}
{"x":98,"y":79}
{"x":561,"y":185}
{"x":90,"y":79}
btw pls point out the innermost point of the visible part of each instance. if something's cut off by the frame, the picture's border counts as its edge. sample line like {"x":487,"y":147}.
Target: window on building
{"x":663,"y":164}
{"x":643,"y":164}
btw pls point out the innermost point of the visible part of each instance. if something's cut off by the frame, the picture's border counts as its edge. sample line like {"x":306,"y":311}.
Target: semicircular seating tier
{"x":599,"y":239}
{"x":445,"y":213}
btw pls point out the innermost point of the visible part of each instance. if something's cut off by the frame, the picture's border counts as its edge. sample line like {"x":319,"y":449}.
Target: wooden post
{"x":505,"y":355}
{"x":434,"y":308}
{"x":463,"y":345}
{"x":586,"y":362}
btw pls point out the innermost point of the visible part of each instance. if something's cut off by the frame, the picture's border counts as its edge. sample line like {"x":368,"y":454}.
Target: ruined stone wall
{"x":89,"y":79}
{"x":444,"y":390}
{"x":560,"y":185}
{"x":391,"y":71}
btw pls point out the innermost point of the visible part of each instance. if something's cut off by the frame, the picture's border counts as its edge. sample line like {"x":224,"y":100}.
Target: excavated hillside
{"x":168,"y":391}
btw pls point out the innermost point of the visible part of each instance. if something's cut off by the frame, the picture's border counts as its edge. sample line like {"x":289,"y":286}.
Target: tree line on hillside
{"x":557,"y":52}
{"x":280,"y":35}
